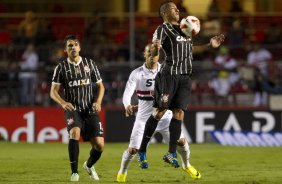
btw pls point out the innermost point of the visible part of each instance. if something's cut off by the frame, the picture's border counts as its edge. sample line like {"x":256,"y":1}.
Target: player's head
{"x":72,"y":46}
{"x":147,"y":54}
{"x":169,"y":11}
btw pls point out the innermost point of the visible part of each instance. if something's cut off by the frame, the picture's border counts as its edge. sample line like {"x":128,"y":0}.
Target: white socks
{"x":125,"y":161}
{"x":127,"y":158}
{"x":184,"y":153}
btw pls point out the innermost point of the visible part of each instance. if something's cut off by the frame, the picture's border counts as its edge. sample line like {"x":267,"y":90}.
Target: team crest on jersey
{"x":164,"y":98}
{"x":86,"y":69}
{"x":70,"y":121}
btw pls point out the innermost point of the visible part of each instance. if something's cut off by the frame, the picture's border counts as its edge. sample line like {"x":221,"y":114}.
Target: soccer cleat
{"x":171,"y":158}
{"x":142,"y":160}
{"x":91,"y":171}
{"x":74,"y":177}
{"x":192,"y":172}
{"x":121,"y":178}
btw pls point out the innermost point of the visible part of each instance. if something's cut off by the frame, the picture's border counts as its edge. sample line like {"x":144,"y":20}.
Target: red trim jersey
{"x":142,"y":82}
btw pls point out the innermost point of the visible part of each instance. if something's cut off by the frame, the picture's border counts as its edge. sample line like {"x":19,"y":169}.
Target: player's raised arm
{"x":155,"y":48}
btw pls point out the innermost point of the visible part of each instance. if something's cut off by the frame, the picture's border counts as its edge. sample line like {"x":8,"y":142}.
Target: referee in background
{"x":173,"y":82}
{"x":79,"y":77}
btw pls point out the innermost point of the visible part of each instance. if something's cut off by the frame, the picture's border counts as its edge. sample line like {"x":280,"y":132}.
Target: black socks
{"x":150,"y":128}
{"x":73,"y":154}
{"x":175,"y":131}
{"x":94,"y":157}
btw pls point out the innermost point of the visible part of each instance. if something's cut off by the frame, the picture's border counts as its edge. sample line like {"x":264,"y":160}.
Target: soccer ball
{"x":190,"y":26}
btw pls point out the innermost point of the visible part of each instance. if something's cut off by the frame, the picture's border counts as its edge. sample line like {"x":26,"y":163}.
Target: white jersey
{"x":142,"y":81}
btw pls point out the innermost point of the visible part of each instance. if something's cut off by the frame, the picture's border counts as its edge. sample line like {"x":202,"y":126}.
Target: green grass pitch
{"x":48,"y":163}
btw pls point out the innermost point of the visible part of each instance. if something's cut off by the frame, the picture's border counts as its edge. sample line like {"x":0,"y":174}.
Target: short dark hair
{"x":163,"y":7}
{"x":70,"y":37}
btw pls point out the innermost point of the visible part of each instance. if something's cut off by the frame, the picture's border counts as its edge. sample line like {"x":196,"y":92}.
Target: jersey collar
{"x":73,"y":63}
{"x":152,"y":71}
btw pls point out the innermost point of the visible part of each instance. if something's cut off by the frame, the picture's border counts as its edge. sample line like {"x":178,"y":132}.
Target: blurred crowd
{"x":244,"y":71}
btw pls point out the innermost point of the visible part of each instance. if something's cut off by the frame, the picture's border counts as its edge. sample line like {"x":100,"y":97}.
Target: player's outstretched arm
{"x":215,"y":42}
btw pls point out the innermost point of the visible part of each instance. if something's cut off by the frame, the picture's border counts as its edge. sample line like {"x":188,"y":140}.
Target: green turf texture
{"x":48,"y":163}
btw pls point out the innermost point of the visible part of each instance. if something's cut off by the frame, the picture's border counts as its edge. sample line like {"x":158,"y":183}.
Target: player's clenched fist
{"x":96,"y":107}
{"x":130,"y":109}
{"x":154,"y":49}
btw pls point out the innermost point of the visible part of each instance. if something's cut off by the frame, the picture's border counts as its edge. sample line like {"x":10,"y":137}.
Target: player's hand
{"x":216,"y":41}
{"x":130,"y":109}
{"x":154,"y":50}
{"x":96,"y":107}
{"x":67,"y":106}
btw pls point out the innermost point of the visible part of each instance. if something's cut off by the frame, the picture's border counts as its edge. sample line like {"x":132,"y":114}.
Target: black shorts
{"x":88,"y":122}
{"x":172,"y":91}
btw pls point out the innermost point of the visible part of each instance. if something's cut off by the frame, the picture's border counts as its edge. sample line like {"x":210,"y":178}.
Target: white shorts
{"x":162,"y":128}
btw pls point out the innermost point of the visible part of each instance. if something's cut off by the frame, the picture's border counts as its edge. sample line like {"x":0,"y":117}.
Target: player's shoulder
{"x":165,"y":26}
{"x":160,"y":27}
{"x":87,"y":59}
{"x":137,"y":71}
{"x":62,"y":62}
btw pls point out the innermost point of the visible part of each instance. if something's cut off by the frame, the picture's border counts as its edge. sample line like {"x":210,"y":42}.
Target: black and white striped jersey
{"x":78,"y":81}
{"x":177,"y":49}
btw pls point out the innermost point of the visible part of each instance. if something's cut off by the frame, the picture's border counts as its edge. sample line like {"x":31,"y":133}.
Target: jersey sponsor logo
{"x":247,"y":138}
{"x":181,"y":39}
{"x":81,"y":82}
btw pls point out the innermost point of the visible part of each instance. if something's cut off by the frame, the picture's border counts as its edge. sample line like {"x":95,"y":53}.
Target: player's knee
{"x":99,"y":147}
{"x":75,"y":133}
{"x":181,"y":142}
{"x":158,"y":114}
{"x":97,"y":143}
{"x":132,"y":151}
{"x":178,"y":114}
